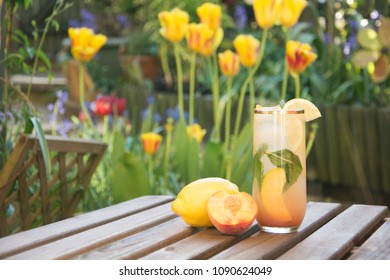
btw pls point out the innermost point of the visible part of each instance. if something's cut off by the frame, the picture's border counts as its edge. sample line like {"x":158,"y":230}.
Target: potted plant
{"x":139,"y":57}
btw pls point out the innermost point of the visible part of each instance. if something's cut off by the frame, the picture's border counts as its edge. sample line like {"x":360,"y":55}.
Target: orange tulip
{"x":151,"y":142}
{"x":273,"y":12}
{"x":229,"y":63}
{"x":195,"y":131}
{"x":174,"y":24}
{"x":247,"y":48}
{"x":210,"y":14}
{"x":85,"y":44}
{"x":298,"y":56}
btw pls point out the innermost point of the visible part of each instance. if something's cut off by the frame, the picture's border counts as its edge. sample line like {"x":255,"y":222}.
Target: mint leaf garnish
{"x":290,"y":162}
{"x":258,"y":167}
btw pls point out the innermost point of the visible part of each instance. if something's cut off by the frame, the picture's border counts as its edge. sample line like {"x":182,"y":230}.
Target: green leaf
{"x":21,"y":38}
{"x":186,"y":154}
{"x":44,"y":58}
{"x":240,"y":175}
{"x":258,"y":167}
{"x":34,"y":123}
{"x":243,"y":142}
{"x":290,"y":162}
{"x":56,"y":25}
{"x":118,"y":146}
{"x":213,"y":159}
{"x":193,"y":162}
{"x":129,"y":178}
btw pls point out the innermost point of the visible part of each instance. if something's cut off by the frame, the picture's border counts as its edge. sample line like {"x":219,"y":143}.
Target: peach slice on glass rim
{"x":232,"y":213}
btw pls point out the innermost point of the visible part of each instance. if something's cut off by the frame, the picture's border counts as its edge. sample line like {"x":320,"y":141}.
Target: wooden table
{"x":146,"y":228}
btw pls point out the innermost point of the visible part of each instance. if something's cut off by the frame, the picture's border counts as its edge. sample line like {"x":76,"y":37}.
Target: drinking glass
{"x":279,"y":168}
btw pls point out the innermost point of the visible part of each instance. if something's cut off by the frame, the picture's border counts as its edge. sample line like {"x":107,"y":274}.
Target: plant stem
{"x":312,"y":136}
{"x":228,"y":113}
{"x":192,"y":88}
{"x":215,"y":89}
{"x":251,"y":73}
{"x":166,"y":155}
{"x":297,"y":86}
{"x":54,"y":124}
{"x":179,"y":81}
{"x":227,"y":129}
{"x":285,"y":73}
{"x":365,"y":87}
{"x":150,"y":171}
{"x":165,"y":63}
{"x":252,"y":95}
{"x":82,"y":102}
{"x":58,"y":8}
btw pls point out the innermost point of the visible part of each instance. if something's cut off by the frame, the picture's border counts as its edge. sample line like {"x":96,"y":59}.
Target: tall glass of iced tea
{"x":279,"y":168}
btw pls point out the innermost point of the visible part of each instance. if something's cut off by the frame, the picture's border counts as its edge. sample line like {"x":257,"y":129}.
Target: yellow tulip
{"x":210,"y":14}
{"x":201,"y":39}
{"x":229,"y":63}
{"x":199,"y":36}
{"x":151,"y":142}
{"x":195,"y":131}
{"x":267,"y":12}
{"x":174,"y":24}
{"x":247,"y":48}
{"x":85,"y":43}
{"x":273,"y":12}
{"x":298,"y":56}
{"x":291,"y":11}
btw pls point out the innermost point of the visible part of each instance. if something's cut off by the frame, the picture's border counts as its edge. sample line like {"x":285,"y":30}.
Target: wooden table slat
{"x":335,"y":239}
{"x":200,"y":245}
{"x":39,"y":236}
{"x":377,"y":247}
{"x":269,"y":246}
{"x":96,"y":237}
{"x":146,"y":228}
{"x":143,"y":243}
{"x":207,"y":243}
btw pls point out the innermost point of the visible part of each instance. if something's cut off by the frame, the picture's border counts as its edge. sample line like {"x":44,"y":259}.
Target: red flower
{"x":108,"y":105}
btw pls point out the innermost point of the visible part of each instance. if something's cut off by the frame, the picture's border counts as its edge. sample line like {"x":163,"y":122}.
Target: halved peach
{"x":232,"y":213}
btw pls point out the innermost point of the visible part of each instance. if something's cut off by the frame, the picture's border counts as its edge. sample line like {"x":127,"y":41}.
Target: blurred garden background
{"x":131,"y":89}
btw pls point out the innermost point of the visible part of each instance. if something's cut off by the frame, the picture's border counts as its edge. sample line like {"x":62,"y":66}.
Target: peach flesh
{"x":232,"y":213}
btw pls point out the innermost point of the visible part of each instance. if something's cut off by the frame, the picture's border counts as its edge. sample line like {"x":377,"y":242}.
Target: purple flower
{"x":64,"y":127}
{"x":157,"y":118}
{"x":240,"y":17}
{"x":328,"y":39}
{"x":2,"y":117}
{"x":151,"y":99}
{"x":87,"y":15}
{"x":74,"y":23}
{"x":175,"y":114}
{"x":50,"y":107}
{"x":88,"y":20}
{"x":11,"y":117}
{"x":123,"y":20}
{"x":2,"y":121}
{"x":353,"y":25}
{"x":144,"y":114}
